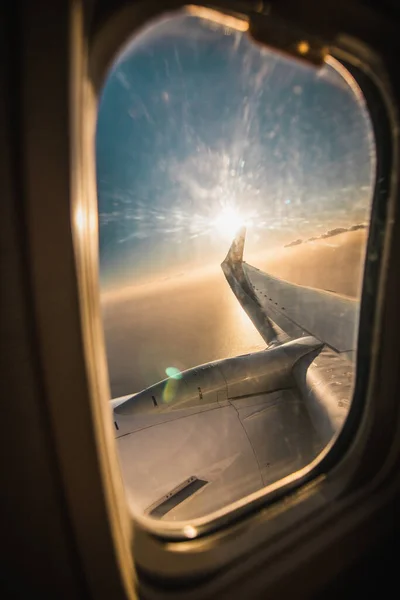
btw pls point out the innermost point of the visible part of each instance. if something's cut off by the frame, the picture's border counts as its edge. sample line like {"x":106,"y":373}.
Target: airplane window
{"x":234,"y":190}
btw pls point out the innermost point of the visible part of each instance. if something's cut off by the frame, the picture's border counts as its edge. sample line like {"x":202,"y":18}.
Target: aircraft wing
{"x":193,"y":444}
{"x":282,"y":311}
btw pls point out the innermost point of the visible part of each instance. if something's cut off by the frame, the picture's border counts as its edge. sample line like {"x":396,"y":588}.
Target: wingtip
{"x":235,"y":252}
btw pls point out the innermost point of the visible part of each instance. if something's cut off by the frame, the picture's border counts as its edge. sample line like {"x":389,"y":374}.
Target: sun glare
{"x":228,"y":222}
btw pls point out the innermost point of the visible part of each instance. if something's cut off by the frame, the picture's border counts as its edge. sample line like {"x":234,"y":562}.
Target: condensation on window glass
{"x":234,"y":191}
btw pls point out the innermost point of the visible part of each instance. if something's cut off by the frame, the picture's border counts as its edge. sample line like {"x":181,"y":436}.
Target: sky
{"x":196,"y":123}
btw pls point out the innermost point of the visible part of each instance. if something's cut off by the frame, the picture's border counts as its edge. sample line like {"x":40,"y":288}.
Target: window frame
{"x":317,"y":504}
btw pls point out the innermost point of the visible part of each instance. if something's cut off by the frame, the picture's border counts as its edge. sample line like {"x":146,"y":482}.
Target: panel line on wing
{"x":175,"y":497}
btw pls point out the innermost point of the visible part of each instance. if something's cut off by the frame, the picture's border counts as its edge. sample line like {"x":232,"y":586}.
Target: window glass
{"x":213,"y":149}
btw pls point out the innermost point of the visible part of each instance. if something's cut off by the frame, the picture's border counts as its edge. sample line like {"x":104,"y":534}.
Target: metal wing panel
{"x":306,"y":311}
{"x":232,"y":450}
{"x":281,"y":310}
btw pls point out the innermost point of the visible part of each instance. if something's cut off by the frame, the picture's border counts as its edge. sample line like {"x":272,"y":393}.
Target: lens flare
{"x":173,"y":372}
{"x":170,"y":390}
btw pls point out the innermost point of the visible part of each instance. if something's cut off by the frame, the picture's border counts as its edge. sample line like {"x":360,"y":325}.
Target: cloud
{"x":328,"y":234}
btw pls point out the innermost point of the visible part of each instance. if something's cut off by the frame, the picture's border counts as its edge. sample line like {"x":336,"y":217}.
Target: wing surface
{"x":282,"y":311}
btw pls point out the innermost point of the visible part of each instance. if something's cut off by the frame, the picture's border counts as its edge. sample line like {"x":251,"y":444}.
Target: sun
{"x":228,"y":222}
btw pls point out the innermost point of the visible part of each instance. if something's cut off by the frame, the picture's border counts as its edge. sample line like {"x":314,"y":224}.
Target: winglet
{"x":232,"y":267}
{"x":235,"y":253}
